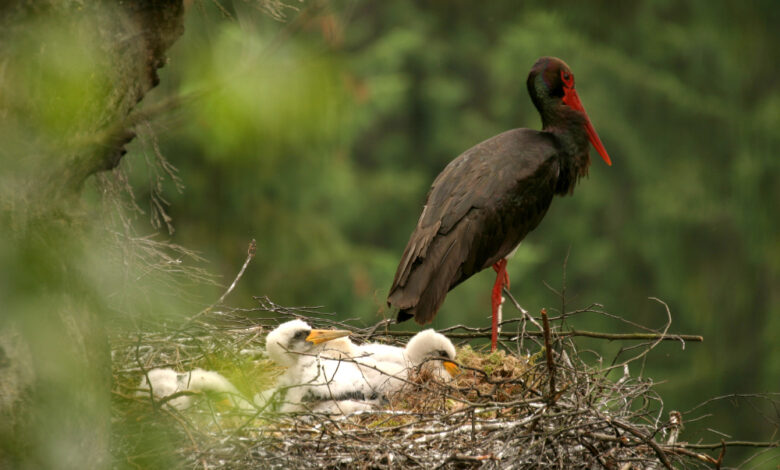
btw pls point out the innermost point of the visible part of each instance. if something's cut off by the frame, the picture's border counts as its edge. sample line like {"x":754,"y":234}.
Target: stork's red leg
{"x":502,"y":279}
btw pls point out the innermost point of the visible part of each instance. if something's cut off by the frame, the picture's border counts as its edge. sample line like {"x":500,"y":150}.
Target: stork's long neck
{"x":568,"y":128}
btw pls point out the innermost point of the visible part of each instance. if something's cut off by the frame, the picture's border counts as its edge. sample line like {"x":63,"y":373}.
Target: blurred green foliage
{"x":320,"y":135}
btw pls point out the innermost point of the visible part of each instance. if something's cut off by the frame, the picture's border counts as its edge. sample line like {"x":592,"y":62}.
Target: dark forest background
{"x":317,"y":127}
{"x":319,"y":136}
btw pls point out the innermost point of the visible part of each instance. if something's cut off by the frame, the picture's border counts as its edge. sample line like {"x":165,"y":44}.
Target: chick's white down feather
{"x":166,"y":382}
{"x":318,"y":372}
{"x":339,"y":376}
{"x":425,"y":347}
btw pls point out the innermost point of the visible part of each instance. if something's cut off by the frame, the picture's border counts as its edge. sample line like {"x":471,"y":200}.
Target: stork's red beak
{"x":573,"y":101}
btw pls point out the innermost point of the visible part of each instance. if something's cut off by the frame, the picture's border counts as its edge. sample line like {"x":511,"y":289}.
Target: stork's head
{"x":551,"y":86}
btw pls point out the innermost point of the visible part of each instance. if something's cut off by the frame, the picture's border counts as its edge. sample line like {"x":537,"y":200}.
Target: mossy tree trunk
{"x":71,"y":76}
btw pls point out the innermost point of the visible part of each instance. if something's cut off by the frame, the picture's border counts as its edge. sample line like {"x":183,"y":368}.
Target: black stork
{"x":485,"y":202}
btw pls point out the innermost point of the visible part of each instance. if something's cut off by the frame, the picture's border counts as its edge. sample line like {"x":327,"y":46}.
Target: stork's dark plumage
{"x":485,"y":202}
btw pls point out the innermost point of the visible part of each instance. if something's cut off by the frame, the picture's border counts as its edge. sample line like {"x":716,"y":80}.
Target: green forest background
{"x":319,"y":136}
{"x":317,"y":127}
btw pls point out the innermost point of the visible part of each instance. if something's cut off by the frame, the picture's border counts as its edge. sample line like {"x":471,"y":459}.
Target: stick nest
{"x":500,"y":412}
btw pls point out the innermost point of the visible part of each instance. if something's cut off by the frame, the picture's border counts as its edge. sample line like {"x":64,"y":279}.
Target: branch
{"x":717,"y":445}
{"x":470,"y":459}
{"x":249,"y":255}
{"x":548,"y":353}
{"x":646,"y":439}
{"x":632,"y":336}
{"x":563,"y":334}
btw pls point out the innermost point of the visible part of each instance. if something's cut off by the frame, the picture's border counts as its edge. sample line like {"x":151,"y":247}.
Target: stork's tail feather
{"x":431,"y":278}
{"x":403,"y":315}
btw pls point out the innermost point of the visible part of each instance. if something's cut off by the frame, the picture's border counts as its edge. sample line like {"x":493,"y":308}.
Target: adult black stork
{"x":485,"y":202}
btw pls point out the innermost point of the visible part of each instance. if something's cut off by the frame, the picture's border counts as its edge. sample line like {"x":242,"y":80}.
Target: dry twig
{"x":549,"y":354}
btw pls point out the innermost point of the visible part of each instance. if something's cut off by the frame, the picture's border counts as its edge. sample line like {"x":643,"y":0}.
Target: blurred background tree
{"x":317,"y":128}
{"x":70,"y":77}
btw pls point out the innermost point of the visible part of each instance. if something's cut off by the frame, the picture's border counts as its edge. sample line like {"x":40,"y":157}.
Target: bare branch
{"x":249,"y":256}
{"x":549,"y":355}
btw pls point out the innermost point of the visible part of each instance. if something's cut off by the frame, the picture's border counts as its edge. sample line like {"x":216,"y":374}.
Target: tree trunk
{"x":71,"y":76}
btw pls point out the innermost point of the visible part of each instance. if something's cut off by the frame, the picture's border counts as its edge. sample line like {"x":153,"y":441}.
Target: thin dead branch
{"x":485,"y":333}
{"x":251,"y":250}
{"x":548,"y":352}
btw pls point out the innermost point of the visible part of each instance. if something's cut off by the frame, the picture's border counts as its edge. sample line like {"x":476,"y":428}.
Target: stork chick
{"x":322,"y":374}
{"x":166,"y":381}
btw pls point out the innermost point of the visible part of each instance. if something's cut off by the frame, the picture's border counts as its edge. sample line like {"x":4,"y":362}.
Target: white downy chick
{"x":424,"y":349}
{"x":327,"y":372}
{"x":434,"y":352}
{"x":166,"y":382}
{"x":321,"y":373}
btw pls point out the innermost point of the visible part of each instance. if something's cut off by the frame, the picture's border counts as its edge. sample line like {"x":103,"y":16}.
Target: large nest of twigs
{"x":525,"y":406}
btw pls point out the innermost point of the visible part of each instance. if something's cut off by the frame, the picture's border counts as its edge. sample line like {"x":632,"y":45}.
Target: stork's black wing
{"x":476,"y":212}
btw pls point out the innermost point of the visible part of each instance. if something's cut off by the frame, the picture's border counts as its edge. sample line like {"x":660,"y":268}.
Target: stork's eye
{"x":301,"y":334}
{"x":567,"y":78}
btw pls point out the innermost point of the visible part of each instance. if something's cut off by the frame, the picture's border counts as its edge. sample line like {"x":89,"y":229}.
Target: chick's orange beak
{"x":321,"y":336}
{"x":451,"y":368}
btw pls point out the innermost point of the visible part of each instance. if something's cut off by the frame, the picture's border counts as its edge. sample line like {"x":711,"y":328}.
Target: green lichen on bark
{"x":72,"y":74}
